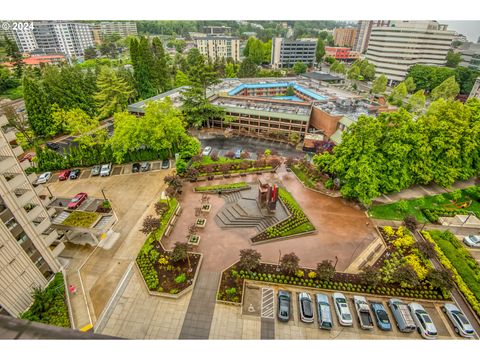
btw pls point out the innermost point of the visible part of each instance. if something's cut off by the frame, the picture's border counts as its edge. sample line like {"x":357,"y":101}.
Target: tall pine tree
{"x":37,"y":105}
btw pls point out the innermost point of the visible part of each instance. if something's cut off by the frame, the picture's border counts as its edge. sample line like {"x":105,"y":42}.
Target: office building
{"x":28,"y":243}
{"x":24,"y":39}
{"x":470,"y":53}
{"x":218,"y":47}
{"x":58,"y":37}
{"x":286,"y":52}
{"x":122,"y":28}
{"x":344,"y":37}
{"x":475,"y":89}
{"x":394,"y":49}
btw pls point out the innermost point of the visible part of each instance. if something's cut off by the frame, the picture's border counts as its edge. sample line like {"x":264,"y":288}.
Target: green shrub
{"x":180,"y":279}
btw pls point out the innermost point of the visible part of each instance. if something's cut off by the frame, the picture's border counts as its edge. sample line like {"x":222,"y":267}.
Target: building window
{"x":22,"y":238}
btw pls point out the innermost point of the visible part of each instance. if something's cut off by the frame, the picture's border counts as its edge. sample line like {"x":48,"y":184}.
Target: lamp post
{"x":103,"y":193}
{"x":336,"y":261}
{"x":468,"y":217}
{"x":48,"y":189}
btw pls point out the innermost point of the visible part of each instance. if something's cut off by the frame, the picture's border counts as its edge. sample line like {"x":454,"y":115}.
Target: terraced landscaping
{"x":223,"y":187}
{"x":81,"y":219}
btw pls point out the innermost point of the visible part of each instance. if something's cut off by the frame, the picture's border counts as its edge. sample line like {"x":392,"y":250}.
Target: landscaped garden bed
{"x":206,"y":208}
{"x":201,"y":222}
{"x":168,"y":272}
{"x":49,"y":306}
{"x":194,"y":239}
{"x":104,"y":207}
{"x":223,"y":187}
{"x":297,"y":223}
{"x":457,"y":259}
{"x":430,"y":208}
{"x":81,"y":219}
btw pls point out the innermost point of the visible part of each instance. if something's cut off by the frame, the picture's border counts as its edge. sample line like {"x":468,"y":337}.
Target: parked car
{"x":77,"y":200}
{"x":305,"y":306}
{"x":341,"y":308}
{"x":52,"y":145}
{"x":28,"y":156}
{"x":402,"y":315}
{"x":363,"y":312}
{"x":472,"y":240}
{"x":64,"y":174}
{"x":284,"y":300}
{"x":74,"y":174}
{"x":425,"y":325}
{"x":96,"y":170}
{"x":165,"y":164}
{"x":105,"y":170}
{"x":381,"y":316}
{"x":459,"y":321}
{"x":238,"y":153}
{"x":207,"y":151}
{"x":42,"y":179}
{"x":145,"y":166}
{"x":135,"y":167}
{"x":324,"y":312}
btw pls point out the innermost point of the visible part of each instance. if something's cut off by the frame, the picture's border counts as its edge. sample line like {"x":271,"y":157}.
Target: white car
{"x":207,"y":151}
{"x":105,"y":170}
{"x":425,"y":325}
{"x":472,"y":240}
{"x":306,"y":307}
{"x":460,"y":322}
{"x":42,"y":179}
{"x":341,"y":308}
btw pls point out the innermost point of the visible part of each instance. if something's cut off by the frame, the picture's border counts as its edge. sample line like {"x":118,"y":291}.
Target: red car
{"x":77,"y":200}
{"x":64,"y":175}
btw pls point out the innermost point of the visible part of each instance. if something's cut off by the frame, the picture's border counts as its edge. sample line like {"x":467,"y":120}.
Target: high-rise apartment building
{"x":286,"y":52}
{"x":122,"y":28}
{"x":344,"y":37}
{"x":68,"y":38}
{"x":218,"y":47}
{"x":364,"y":29}
{"x":217,"y":30}
{"x":470,"y":53}
{"x":24,"y":38}
{"x":394,"y":49}
{"x":28,"y":244}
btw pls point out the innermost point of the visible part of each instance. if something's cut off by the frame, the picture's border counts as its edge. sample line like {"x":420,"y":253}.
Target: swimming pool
{"x":297,"y":87}
{"x":291,"y":98}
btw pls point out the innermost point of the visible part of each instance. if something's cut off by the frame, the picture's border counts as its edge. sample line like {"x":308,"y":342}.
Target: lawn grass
{"x":13,"y":94}
{"x":304,"y":178}
{"x":206,"y":160}
{"x":81,"y":219}
{"x":414,"y":206}
{"x":222,"y":187}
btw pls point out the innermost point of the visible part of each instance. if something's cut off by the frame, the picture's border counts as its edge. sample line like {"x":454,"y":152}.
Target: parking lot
{"x":475,"y":252}
{"x":296,"y":329}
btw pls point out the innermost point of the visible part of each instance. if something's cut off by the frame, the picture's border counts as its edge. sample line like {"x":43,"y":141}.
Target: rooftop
{"x":265,"y":85}
{"x":175,"y":95}
{"x":349,"y":107}
{"x":320,"y":76}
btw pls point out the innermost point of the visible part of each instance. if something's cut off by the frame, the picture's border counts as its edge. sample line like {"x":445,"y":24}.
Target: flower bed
{"x":231,"y":283}
{"x":49,"y":306}
{"x":194,"y":239}
{"x":158,"y":271}
{"x":223,"y":187}
{"x":200,"y":222}
{"x":206,"y":208}
{"x":297,"y":223}
{"x":454,"y":257}
{"x":81,"y":219}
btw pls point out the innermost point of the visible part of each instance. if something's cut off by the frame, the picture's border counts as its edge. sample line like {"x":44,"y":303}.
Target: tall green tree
{"x":143,"y":62}
{"x":410,"y":84}
{"x":160,"y":70}
{"x":113,"y":93}
{"x":398,"y":94}
{"x":379,"y":85}
{"x":181,"y":79}
{"x":453,"y":59}
{"x":299,"y":68}
{"x":90,"y":53}
{"x":37,"y":105}
{"x":247,"y":69}
{"x":416,"y":102}
{"x":15,"y":56}
{"x":319,"y":51}
{"x":448,"y":89}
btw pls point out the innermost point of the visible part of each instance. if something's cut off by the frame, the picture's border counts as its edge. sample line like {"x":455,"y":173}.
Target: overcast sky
{"x":471,"y":29}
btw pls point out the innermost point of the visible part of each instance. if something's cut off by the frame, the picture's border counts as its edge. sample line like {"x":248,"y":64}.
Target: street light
{"x":103,"y":193}
{"x":468,"y":217}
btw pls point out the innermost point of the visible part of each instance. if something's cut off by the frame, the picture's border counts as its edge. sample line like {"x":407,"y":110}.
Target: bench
{"x":169,"y":230}
{"x":179,"y":211}
{"x":173,"y":221}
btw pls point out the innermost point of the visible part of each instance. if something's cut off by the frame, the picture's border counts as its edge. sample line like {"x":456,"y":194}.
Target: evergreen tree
{"x":379,"y":85}
{"x":247,"y":69}
{"x":161,"y":74}
{"x":448,"y":89}
{"x":143,"y":62}
{"x":320,"y":51}
{"x":114,"y":93}
{"x":37,"y":105}
{"x":15,"y":56}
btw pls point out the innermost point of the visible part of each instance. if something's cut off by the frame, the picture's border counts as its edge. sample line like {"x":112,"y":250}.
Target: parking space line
{"x":267,"y":310}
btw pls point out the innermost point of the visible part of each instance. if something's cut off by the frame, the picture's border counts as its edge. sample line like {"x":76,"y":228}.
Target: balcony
{"x":58,"y":249}
{"x":35,"y":212}
{"x":25,"y":196}
{"x":32,"y":178}
{"x":50,"y":237}
{"x":44,"y":225}
{"x":10,"y":136}
{"x":17,"y":150}
{"x":25,"y":164}
{"x":6,"y":162}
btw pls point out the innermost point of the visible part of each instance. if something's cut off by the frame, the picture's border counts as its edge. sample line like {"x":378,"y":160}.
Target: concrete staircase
{"x":241,"y":211}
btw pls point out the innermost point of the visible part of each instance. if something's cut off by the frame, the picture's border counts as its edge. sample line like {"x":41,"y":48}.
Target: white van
{"x":105,"y":170}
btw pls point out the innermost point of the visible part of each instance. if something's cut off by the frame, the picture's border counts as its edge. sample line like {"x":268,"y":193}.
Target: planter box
{"x":193,"y":240}
{"x":200,"y":222}
{"x":206,"y":208}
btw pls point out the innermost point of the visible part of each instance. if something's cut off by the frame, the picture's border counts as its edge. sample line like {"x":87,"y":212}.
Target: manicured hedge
{"x":455,"y":257}
{"x":232,"y":186}
{"x":81,"y":219}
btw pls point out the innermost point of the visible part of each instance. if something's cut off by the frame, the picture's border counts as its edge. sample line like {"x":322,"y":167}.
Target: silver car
{"x":42,"y":179}
{"x":324,"y":313}
{"x":472,"y":240}
{"x":460,"y":322}
{"x":425,"y":325}
{"x":305,"y":307}
{"x":341,"y":308}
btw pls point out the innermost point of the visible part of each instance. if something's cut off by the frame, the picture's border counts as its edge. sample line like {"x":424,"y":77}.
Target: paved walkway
{"x":418,"y":191}
{"x":198,"y":318}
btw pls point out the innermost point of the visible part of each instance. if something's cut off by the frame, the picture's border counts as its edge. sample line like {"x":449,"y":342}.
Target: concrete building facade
{"x":28,"y":244}
{"x":364,"y":30}
{"x":122,"y":28}
{"x":24,"y":39}
{"x":475,"y":93}
{"x":218,"y":47}
{"x":470,"y":53}
{"x":341,"y":53}
{"x":286,"y":52}
{"x":68,"y":38}
{"x":344,"y":37}
{"x":394,"y":49}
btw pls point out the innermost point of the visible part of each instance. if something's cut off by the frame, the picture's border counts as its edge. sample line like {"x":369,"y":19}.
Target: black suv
{"x":74,"y":174}
{"x":135,"y":167}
